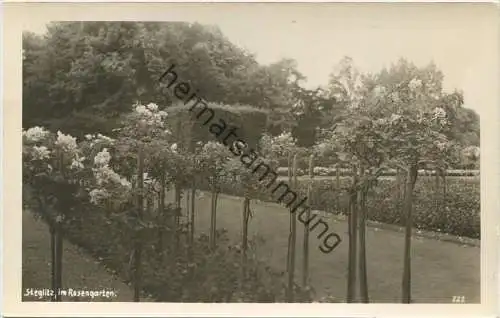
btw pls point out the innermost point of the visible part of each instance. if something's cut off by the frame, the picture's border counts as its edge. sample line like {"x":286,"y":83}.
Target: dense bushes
{"x":456,"y":212}
{"x":200,"y":276}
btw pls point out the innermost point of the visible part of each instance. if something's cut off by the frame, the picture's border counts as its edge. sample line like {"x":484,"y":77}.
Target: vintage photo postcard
{"x":262,"y":159}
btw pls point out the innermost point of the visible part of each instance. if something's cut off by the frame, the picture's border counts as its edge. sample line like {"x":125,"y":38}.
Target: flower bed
{"x":206,"y":276}
{"x":91,"y":189}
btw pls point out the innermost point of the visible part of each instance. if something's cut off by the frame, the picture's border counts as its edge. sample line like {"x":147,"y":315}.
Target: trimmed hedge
{"x":455,"y":212}
{"x":249,"y":122}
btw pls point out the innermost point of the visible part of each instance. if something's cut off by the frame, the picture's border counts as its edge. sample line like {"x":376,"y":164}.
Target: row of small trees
{"x":146,"y":159}
{"x":128,"y":176}
{"x":405,"y":129}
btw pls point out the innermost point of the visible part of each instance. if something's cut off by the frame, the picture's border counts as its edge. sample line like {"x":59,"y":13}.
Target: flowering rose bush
{"x":53,"y":166}
{"x":108,"y":185}
{"x":276,"y":151}
{"x":145,"y":123}
{"x":43,"y":151}
{"x":213,"y":158}
{"x":280,"y":147}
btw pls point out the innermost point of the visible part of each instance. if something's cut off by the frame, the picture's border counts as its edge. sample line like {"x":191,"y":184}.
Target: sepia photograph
{"x":312,"y":153}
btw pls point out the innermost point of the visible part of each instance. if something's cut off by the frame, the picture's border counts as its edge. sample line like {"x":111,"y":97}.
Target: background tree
{"x":312,"y":110}
{"x":85,"y":74}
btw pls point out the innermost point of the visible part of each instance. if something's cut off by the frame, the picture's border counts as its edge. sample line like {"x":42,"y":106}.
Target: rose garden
{"x":138,"y":184}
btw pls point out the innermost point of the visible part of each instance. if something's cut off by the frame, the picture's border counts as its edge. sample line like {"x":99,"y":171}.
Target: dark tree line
{"x":80,"y":77}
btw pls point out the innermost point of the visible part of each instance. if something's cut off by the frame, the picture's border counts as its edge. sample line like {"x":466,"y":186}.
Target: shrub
{"x":203,"y":276}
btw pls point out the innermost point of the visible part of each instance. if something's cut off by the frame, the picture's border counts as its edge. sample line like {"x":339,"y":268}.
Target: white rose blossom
{"x":95,"y":139}
{"x":35,"y":134}
{"x":152,"y":107}
{"x":105,"y":175}
{"x":98,"y":195}
{"x":173,"y":148}
{"x":102,"y":158}
{"x":415,"y":84}
{"x":125,"y":183}
{"x":77,"y":163}
{"x":439,"y":113}
{"x":142,"y":110}
{"x":150,"y":115}
{"x":66,"y":142}
{"x":40,"y":153}
{"x":104,"y":138}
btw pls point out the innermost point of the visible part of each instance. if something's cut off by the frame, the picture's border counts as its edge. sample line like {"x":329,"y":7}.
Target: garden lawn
{"x":440,"y":270}
{"x":80,"y":271}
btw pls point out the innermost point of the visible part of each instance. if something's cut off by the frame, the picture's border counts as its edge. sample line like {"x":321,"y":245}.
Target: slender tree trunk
{"x":352,"y":224}
{"x":161,"y":216}
{"x":403,"y":185}
{"x":181,"y":141}
{"x":173,"y":241}
{"x":398,"y":184}
{"x":305,"y":264}
{"x":58,"y":240}
{"x":192,"y":212}
{"x":138,"y":238}
{"x":244,"y":235}
{"x":363,"y":278}
{"x":184,"y":233}
{"x":56,"y":243}
{"x":213,"y":219}
{"x":436,"y":176}
{"x":437,"y":190}
{"x":410,"y":184}
{"x":191,"y":209}
{"x":178,"y":212}
{"x":53,"y":262}
{"x":188,"y":206}
{"x":59,"y":256}
{"x":337,"y":190}
{"x":292,"y":238}
{"x":246,"y":216}
{"x":149,"y":205}
{"x":444,"y":185}
{"x":289,"y":289}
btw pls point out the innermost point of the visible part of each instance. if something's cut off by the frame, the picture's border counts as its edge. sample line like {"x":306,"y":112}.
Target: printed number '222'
{"x":458,"y":299}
